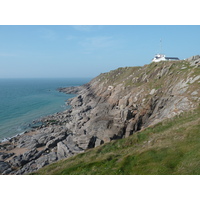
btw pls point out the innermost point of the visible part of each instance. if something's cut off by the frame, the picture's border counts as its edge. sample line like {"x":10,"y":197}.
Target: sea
{"x":22,"y":101}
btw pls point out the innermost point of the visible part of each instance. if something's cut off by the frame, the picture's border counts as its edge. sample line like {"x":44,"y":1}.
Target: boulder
{"x":7,"y":171}
{"x":53,"y":143}
{"x":62,"y":150}
{"x":52,"y":157}
{"x":4,"y":166}
{"x":4,"y":155}
{"x":16,"y":161}
{"x":82,"y":141}
{"x":36,"y":164}
{"x":42,"y":161}
{"x":71,"y":90}
{"x":98,"y":142}
{"x":194,"y":60}
{"x":72,"y":146}
{"x":43,"y":140}
{"x":22,"y":159}
{"x":30,"y":155}
{"x":33,"y":144}
{"x":29,"y":167}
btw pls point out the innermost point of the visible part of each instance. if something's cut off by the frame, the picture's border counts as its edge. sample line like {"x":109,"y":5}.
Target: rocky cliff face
{"x":123,"y":101}
{"x":112,"y":106}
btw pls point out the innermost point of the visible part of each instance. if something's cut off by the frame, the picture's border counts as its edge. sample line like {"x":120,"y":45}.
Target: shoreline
{"x":30,"y":127}
{"x":9,"y":138}
{"x":67,"y":90}
{"x":32,"y":149}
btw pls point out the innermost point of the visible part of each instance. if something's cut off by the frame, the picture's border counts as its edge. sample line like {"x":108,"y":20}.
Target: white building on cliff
{"x":161,"y":57}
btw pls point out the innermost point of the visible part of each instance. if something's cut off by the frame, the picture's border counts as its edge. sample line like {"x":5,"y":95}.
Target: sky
{"x":59,"y":51}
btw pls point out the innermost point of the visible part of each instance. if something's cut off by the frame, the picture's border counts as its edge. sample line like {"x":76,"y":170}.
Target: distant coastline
{"x":26,"y":100}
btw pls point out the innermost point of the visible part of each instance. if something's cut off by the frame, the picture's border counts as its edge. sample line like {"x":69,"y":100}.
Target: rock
{"x":129,"y":129}
{"x":52,"y":157}
{"x":33,"y":144}
{"x":24,"y":141}
{"x":98,"y":142}
{"x":42,"y":161}
{"x":195,"y":79}
{"x":72,"y":146}
{"x":194,"y":93}
{"x":7,"y":171}
{"x":7,"y":146}
{"x":53,"y":143}
{"x":81,"y":141}
{"x":62,"y":150}
{"x":152,"y":91}
{"x":126,"y":114}
{"x":4,"y":166}
{"x":38,"y":163}
{"x":4,"y":155}
{"x":16,"y":161}
{"x":71,"y":90}
{"x":29,"y":155}
{"x":22,"y":159}
{"x":194,"y":60}
{"x":43,"y":140}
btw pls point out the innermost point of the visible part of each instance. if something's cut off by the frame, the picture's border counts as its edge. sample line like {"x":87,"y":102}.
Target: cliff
{"x":117,"y":104}
{"x":112,"y":106}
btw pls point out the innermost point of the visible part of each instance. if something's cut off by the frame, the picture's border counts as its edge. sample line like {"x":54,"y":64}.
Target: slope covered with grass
{"x":170,"y":147}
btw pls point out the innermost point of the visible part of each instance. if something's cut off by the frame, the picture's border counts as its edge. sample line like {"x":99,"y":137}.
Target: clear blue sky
{"x":87,"y":51}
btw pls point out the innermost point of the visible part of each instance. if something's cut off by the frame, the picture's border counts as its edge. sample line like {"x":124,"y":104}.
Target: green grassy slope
{"x":170,"y":147}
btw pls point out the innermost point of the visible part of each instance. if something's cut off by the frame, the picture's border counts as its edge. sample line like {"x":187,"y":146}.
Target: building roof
{"x":172,"y":58}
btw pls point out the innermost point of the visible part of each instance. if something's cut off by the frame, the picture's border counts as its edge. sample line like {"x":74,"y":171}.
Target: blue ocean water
{"x":25,"y":100}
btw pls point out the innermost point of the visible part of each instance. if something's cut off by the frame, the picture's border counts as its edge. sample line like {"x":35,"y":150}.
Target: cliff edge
{"x":117,"y":104}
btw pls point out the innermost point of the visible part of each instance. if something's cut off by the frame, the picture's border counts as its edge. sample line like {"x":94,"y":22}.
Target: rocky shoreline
{"x":113,"y":105}
{"x":44,"y":144}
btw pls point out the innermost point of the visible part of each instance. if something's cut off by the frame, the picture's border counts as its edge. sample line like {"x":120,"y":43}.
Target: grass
{"x":170,"y":147}
{"x":149,"y":76}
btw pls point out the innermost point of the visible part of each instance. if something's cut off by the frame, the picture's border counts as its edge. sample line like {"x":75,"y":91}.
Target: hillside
{"x":170,"y":147}
{"x":115,"y":105}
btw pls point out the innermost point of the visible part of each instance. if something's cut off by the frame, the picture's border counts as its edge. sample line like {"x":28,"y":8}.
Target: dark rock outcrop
{"x":4,"y":166}
{"x":4,"y":155}
{"x":71,"y":90}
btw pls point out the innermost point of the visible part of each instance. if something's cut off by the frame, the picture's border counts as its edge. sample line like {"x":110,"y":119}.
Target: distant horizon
{"x":55,"y":51}
{"x":47,"y":78}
